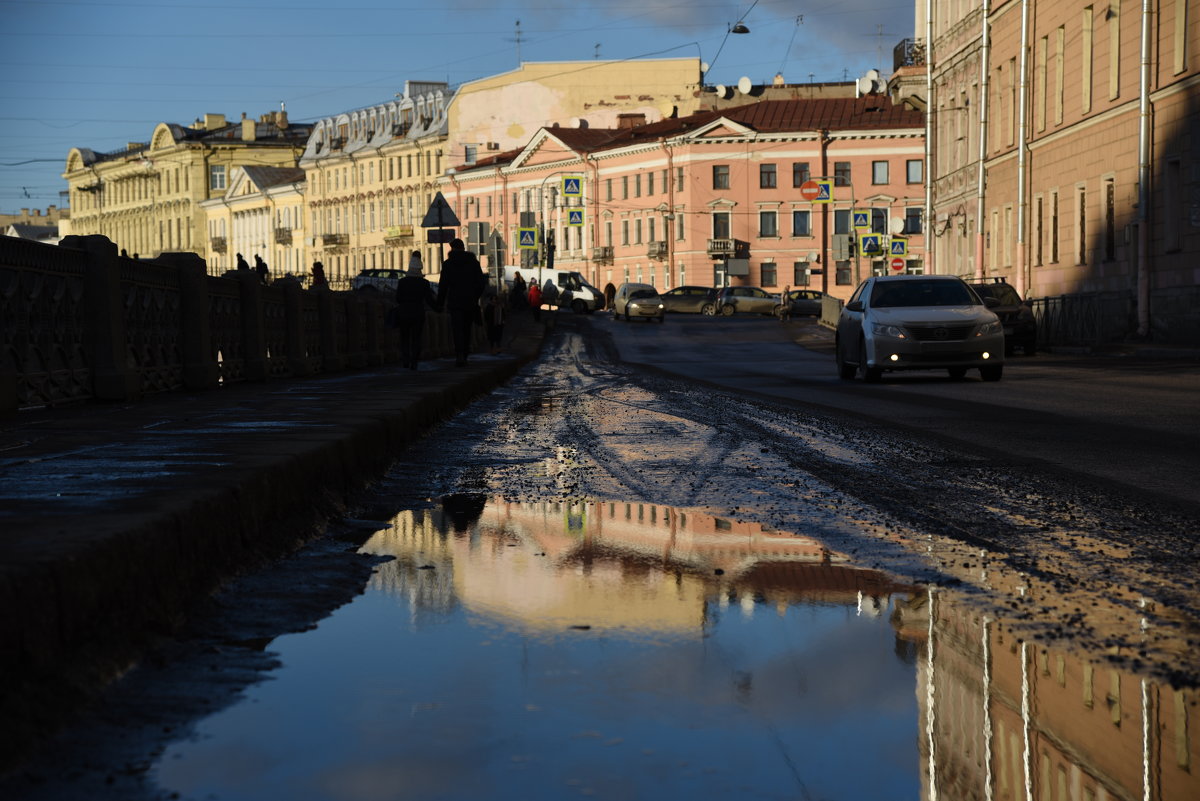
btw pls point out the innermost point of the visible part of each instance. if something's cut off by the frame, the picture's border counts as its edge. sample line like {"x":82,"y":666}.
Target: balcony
{"x":721,"y":248}
{"x":397,"y":233}
{"x":217,"y":244}
{"x":334,"y":240}
{"x":283,"y":236}
{"x":909,"y":53}
{"x":604,"y":253}
{"x":657,"y":250}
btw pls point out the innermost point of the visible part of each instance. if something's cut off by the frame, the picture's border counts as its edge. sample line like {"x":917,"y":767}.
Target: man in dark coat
{"x":413,"y":294}
{"x":459,"y":288}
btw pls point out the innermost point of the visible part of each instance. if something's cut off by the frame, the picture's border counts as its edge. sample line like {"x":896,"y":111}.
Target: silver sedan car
{"x":918,"y":322}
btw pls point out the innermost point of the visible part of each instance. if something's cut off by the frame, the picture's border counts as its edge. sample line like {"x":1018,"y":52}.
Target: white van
{"x":574,"y":292}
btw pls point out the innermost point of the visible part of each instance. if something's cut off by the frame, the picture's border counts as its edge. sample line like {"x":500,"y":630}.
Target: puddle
{"x":548,"y":650}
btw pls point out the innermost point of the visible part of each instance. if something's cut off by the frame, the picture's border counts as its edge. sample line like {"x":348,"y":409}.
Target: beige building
{"x":260,"y":214}
{"x":370,"y":179}
{"x":1061,"y":163}
{"x":146,"y":198}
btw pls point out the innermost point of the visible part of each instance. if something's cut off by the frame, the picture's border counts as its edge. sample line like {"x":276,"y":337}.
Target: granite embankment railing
{"x":79,"y":322}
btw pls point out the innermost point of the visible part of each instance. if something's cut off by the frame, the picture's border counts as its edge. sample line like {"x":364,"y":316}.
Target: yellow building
{"x":146,"y":198}
{"x":261,"y":214}
{"x":370,"y":179}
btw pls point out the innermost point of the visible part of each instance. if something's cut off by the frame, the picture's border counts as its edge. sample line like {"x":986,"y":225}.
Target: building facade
{"x":370,"y":176}
{"x":1063,"y":150}
{"x":146,"y":198}
{"x":260,"y":214}
{"x":712,"y":198}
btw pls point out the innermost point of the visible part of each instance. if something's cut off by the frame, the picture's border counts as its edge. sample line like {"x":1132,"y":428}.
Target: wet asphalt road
{"x":1061,"y":501}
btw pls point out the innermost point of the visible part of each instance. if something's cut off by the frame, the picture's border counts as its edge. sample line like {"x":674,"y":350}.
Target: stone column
{"x":254,"y":334}
{"x":104,"y":319}
{"x":199,"y":369}
{"x":293,"y":306}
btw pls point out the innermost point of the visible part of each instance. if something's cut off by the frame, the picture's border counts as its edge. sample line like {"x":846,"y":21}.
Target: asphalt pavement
{"x":116,"y":518}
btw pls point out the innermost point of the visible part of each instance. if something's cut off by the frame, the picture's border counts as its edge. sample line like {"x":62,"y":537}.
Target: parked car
{"x":745,"y":300}
{"x":804,"y":302}
{"x":1020,"y":326}
{"x":918,"y":322}
{"x":638,"y":300}
{"x":377,"y":280}
{"x":689,"y":299}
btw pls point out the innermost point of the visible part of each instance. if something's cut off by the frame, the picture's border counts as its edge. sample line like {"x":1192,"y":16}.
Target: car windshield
{"x":922,"y":293}
{"x":642,"y":293}
{"x":1001,"y":292}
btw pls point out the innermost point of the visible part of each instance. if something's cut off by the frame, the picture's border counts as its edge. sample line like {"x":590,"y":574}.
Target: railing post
{"x":104,"y":319}
{"x":332,"y":359}
{"x":195,"y":337}
{"x":254,"y":326}
{"x":293,"y":308}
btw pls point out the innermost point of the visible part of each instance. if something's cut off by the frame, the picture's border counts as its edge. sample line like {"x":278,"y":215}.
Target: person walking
{"x":494,"y":315}
{"x":535,"y":300}
{"x":516,"y":297}
{"x":413,"y":295}
{"x":459,"y":288}
{"x":260,"y":267}
{"x":318,"y":276}
{"x":242,"y":264}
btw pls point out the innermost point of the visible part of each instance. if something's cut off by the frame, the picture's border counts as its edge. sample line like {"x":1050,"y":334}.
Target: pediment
{"x":543,"y":148}
{"x":720,"y":128}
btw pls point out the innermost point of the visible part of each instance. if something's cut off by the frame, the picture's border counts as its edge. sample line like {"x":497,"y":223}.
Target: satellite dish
{"x":814,"y":257}
{"x":704,"y":66}
{"x":896,"y":226}
{"x":744,"y":85}
{"x":873,"y":75}
{"x":864,"y":85}
{"x":721,"y":90}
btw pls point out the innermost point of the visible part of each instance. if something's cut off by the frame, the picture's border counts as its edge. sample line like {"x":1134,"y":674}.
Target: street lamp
{"x":738,"y":27}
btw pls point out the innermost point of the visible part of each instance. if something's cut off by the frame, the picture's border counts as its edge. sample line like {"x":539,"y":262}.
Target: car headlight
{"x":988,"y":329}
{"x":894,"y":331}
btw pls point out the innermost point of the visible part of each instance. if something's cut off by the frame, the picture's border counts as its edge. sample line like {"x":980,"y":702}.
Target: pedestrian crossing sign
{"x":574,"y":216}
{"x":870,"y":244}
{"x":824,"y":190}
{"x":862,"y":220}
{"x":899,"y":246}
{"x":527,"y":238}
{"x":572,"y":186}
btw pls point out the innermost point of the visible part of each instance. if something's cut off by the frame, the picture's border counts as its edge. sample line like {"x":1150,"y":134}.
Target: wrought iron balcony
{"x":721,"y":247}
{"x":217,"y":244}
{"x":657,"y":250}
{"x":334,"y":240}
{"x":283,"y":236}
{"x":604,"y":253}
{"x":909,"y":53}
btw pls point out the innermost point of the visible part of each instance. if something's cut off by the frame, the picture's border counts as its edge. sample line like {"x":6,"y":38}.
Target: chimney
{"x":249,"y":129}
{"x":214,"y":121}
{"x":630,"y":120}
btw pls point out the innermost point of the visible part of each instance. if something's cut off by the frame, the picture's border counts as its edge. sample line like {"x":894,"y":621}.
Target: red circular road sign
{"x":897,"y":263}
{"x":810,"y":190}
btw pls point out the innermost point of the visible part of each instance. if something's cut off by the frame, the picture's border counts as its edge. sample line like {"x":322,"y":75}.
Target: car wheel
{"x":708,"y":310}
{"x":579,"y":307}
{"x":957,"y":373}
{"x":870,"y":374}
{"x":727,"y":310}
{"x":846,"y":370}
{"x":627,"y":317}
{"x":992,"y":372}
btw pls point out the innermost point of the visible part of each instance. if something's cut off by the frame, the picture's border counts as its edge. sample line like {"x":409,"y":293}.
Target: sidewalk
{"x":115,"y":518}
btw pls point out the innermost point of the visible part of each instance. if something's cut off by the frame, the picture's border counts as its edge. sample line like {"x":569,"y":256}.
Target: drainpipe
{"x":823,"y":142}
{"x":669,"y":233}
{"x":981,"y":188}
{"x":1143,"y":215}
{"x":1022,"y":151}
{"x":930,"y":241}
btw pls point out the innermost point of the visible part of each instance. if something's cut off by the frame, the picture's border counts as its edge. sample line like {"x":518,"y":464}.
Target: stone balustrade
{"x":79,"y":322}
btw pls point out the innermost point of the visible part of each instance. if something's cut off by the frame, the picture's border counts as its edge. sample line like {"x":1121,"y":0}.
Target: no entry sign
{"x":897,"y":263}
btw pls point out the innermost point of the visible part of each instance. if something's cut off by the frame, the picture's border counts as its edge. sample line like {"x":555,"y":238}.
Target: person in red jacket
{"x":535,"y":300}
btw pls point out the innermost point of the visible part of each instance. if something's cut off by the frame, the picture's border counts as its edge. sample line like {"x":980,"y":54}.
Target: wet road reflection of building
{"x":1000,"y":718}
{"x":1009,"y":719}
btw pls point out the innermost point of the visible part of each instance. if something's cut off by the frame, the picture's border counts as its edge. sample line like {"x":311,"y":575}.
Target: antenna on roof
{"x":517,"y":39}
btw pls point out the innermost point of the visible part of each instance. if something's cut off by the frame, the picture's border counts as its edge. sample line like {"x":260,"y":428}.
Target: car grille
{"x":940,"y":333}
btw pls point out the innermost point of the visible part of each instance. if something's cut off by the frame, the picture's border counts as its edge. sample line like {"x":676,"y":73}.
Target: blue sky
{"x":99,"y":73}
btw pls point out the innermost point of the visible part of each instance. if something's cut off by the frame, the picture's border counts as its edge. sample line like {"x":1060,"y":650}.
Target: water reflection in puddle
{"x":624,"y":650}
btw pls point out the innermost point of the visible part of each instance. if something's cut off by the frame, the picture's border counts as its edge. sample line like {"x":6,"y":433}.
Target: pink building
{"x":712,"y":198}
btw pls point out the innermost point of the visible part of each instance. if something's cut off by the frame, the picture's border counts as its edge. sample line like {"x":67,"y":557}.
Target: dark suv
{"x":1020,"y":326}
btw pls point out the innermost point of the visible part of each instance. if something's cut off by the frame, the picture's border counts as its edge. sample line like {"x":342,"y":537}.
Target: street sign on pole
{"x":527,"y":238}
{"x":572,"y":186}
{"x":440,"y":215}
{"x":899,"y":246}
{"x":574,"y":216}
{"x":817,"y":191}
{"x":862,"y":220}
{"x":440,"y":235}
{"x":897,"y":263}
{"x":870,"y":244}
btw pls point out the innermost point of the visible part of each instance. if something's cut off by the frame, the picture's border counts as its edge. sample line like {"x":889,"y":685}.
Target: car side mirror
{"x":991,"y":302}
{"x":854,"y":306}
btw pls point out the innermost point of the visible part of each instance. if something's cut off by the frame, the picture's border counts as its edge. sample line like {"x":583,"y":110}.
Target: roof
{"x":27,"y":231}
{"x":266,"y":177}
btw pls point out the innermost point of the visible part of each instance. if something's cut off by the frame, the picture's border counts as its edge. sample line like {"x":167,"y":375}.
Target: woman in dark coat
{"x":413,"y":295}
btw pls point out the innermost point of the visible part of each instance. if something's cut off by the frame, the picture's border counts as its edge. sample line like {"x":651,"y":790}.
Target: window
{"x":1110,"y":220}
{"x":216,"y":177}
{"x":913,"y":172}
{"x":649,"y":183}
{"x":608,"y":240}
{"x":769,"y":274}
{"x":768,"y":223}
{"x":801,"y":223}
{"x":766,"y":176}
{"x":720,"y":220}
{"x":637,"y":232}
{"x":1054,"y":227}
{"x":1086,"y":64}
{"x":879,"y":172}
{"x":800,"y":173}
{"x":608,"y":188}
{"x":720,"y":176}
{"x":1082,"y":242}
{"x":650,"y":230}
{"x":879,"y":221}
{"x":841,"y":221}
{"x":624,"y":187}
{"x":637,"y":185}
{"x":842,"y":273}
{"x":1038,"y":234}
{"x":841,"y":173}
{"x":624,"y":232}
{"x":800,"y":273}
{"x":912,"y":220}
{"x":1060,"y":36}
{"x":679,"y":179}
